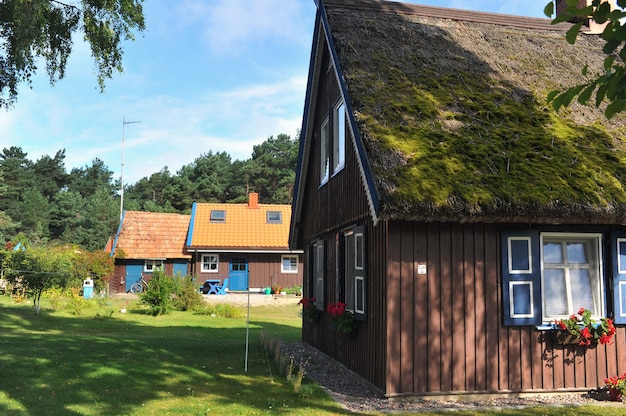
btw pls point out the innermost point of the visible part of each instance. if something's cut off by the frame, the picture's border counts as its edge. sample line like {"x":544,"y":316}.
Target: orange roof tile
{"x":245,"y":227}
{"x":153,"y":235}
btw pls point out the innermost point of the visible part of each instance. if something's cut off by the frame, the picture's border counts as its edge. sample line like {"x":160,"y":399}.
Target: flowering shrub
{"x":617,"y":383}
{"x":582,"y":326}
{"x":309,"y":309}
{"x":342,"y":319}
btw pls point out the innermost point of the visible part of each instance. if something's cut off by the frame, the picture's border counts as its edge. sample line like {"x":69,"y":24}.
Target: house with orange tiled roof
{"x":145,"y":242}
{"x":246,"y":243}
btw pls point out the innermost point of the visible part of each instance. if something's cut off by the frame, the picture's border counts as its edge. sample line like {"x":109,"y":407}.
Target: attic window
{"x":218,"y":215}
{"x":274,"y":217}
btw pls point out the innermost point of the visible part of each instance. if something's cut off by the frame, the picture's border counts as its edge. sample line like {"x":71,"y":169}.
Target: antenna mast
{"x":124,"y":123}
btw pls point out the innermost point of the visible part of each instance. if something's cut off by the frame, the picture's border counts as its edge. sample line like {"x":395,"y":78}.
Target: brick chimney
{"x":253,"y":200}
{"x":594,"y":28}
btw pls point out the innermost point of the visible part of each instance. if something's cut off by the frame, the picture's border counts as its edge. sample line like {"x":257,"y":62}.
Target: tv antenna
{"x":124,"y":123}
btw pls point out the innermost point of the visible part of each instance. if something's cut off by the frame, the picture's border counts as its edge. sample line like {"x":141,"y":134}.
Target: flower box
{"x":565,"y":338}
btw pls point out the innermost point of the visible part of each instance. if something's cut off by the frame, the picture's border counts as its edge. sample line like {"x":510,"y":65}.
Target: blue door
{"x":180,"y":269}
{"x":238,"y":273}
{"x":133,"y":274}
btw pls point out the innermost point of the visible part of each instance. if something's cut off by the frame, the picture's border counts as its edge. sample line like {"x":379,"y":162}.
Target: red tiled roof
{"x":152,"y":235}
{"x":245,"y":227}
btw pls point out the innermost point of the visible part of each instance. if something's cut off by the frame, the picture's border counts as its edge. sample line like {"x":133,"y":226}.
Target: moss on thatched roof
{"x":454,"y":119}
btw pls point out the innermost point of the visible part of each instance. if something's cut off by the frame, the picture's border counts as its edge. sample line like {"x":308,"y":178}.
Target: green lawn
{"x":136,"y":364}
{"x":107,"y":363}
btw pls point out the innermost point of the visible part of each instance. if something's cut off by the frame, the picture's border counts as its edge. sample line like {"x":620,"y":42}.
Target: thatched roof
{"x":450,"y":107}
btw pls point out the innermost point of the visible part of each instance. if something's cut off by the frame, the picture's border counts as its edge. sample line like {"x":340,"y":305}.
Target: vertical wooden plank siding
{"x":469,"y":288}
{"x":434,"y":310}
{"x":420,"y":294}
{"x":409,"y":328}
{"x":492,"y":331}
{"x":459,"y":341}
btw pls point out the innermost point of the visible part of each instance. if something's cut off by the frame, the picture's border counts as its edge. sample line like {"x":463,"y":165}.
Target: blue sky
{"x":206,"y":75}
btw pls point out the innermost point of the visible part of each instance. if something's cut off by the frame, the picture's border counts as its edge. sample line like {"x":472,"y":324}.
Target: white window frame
{"x":151,"y":265}
{"x":324,"y":152}
{"x":290,"y":269}
{"x":595,"y":267}
{"x":206,"y":263}
{"x":339,"y":137}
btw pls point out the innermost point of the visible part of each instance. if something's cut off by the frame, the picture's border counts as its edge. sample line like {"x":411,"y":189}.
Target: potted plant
{"x":583,"y":330}
{"x":297,"y":290}
{"x":617,"y":387}
{"x":309,"y":310}
{"x":276,"y":289}
{"x":342,"y":319}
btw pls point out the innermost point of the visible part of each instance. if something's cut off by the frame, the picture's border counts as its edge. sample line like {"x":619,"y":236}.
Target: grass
{"x":103,"y":362}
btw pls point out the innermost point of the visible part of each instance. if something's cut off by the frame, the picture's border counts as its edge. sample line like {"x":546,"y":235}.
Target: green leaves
{"x":43,"y":29}
{"x":609,"y":87}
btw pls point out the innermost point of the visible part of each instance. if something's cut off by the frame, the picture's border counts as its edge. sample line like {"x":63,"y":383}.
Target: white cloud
{"x":232,"y":27}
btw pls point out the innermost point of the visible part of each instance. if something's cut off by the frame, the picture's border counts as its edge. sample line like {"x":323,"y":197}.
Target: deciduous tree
{"x":609,"y":87}
{"x":34,"y":30}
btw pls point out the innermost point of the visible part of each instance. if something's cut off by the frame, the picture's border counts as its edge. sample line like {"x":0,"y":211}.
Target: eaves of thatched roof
{"x":450,"y":110}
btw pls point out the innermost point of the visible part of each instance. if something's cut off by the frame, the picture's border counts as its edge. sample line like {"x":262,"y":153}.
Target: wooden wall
{"x":445,"y":331}
{"x":263,"y":268}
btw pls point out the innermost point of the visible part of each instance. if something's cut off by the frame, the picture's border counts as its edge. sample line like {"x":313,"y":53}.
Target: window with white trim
{"x":571,"y":275}
{"x":339,"y":137}
{"x":210,"y":263}
{"x":324,"y":152}
{"x":149,"y":266}
{"x":289,"y":264}
{"x":549,"y":275}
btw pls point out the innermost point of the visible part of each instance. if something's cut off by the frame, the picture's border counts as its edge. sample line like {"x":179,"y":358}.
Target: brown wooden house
{"x":244,"y":243}
{"x":146,"y":241}
{"x":440,"y":197}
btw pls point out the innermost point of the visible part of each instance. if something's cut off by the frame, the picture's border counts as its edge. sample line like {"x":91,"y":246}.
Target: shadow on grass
{"x":134,"y":364}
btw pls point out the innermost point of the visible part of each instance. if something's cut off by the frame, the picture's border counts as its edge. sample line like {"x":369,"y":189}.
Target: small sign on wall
{"x":421,"y":268}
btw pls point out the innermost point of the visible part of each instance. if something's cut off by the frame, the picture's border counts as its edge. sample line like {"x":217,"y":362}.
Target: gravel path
{"x":357,"y":396}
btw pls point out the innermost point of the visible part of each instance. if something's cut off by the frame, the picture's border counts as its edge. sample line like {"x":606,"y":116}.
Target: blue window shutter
{"x":618,"y":249}
{"x":521,"y":277}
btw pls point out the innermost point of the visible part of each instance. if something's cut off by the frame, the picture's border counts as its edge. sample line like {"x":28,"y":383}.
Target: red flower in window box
{"x":342,"y":319}
{"x":585,"y":329}
{"x":309,"y":309}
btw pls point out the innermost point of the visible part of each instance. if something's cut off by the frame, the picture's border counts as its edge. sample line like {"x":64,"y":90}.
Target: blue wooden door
{"x":180,"y":269}
{"x":133,"y":274}
{"x":238,"y":273}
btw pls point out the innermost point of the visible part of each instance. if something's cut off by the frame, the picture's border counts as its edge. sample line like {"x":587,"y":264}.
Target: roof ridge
{"x":387,"y":6}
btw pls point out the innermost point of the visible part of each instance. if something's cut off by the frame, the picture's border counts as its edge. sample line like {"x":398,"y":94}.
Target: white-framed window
{"x":218,"y":215}
{"x":289,"y":264}
{"x":571,"y":266}
{"x":339,"y":137}
{"x":210,"y":263}
{"x":274,"y":217}
{"x":150,"y":265}
{"x":324,"y":152}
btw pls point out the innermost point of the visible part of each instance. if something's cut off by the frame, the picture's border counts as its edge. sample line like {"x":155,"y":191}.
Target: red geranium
{"x":343,"y":320}
{"x":582,"y":326}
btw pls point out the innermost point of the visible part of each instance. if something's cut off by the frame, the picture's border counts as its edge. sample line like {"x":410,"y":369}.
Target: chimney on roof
{"x":594,"y":28}
{"x":253,"y":200}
